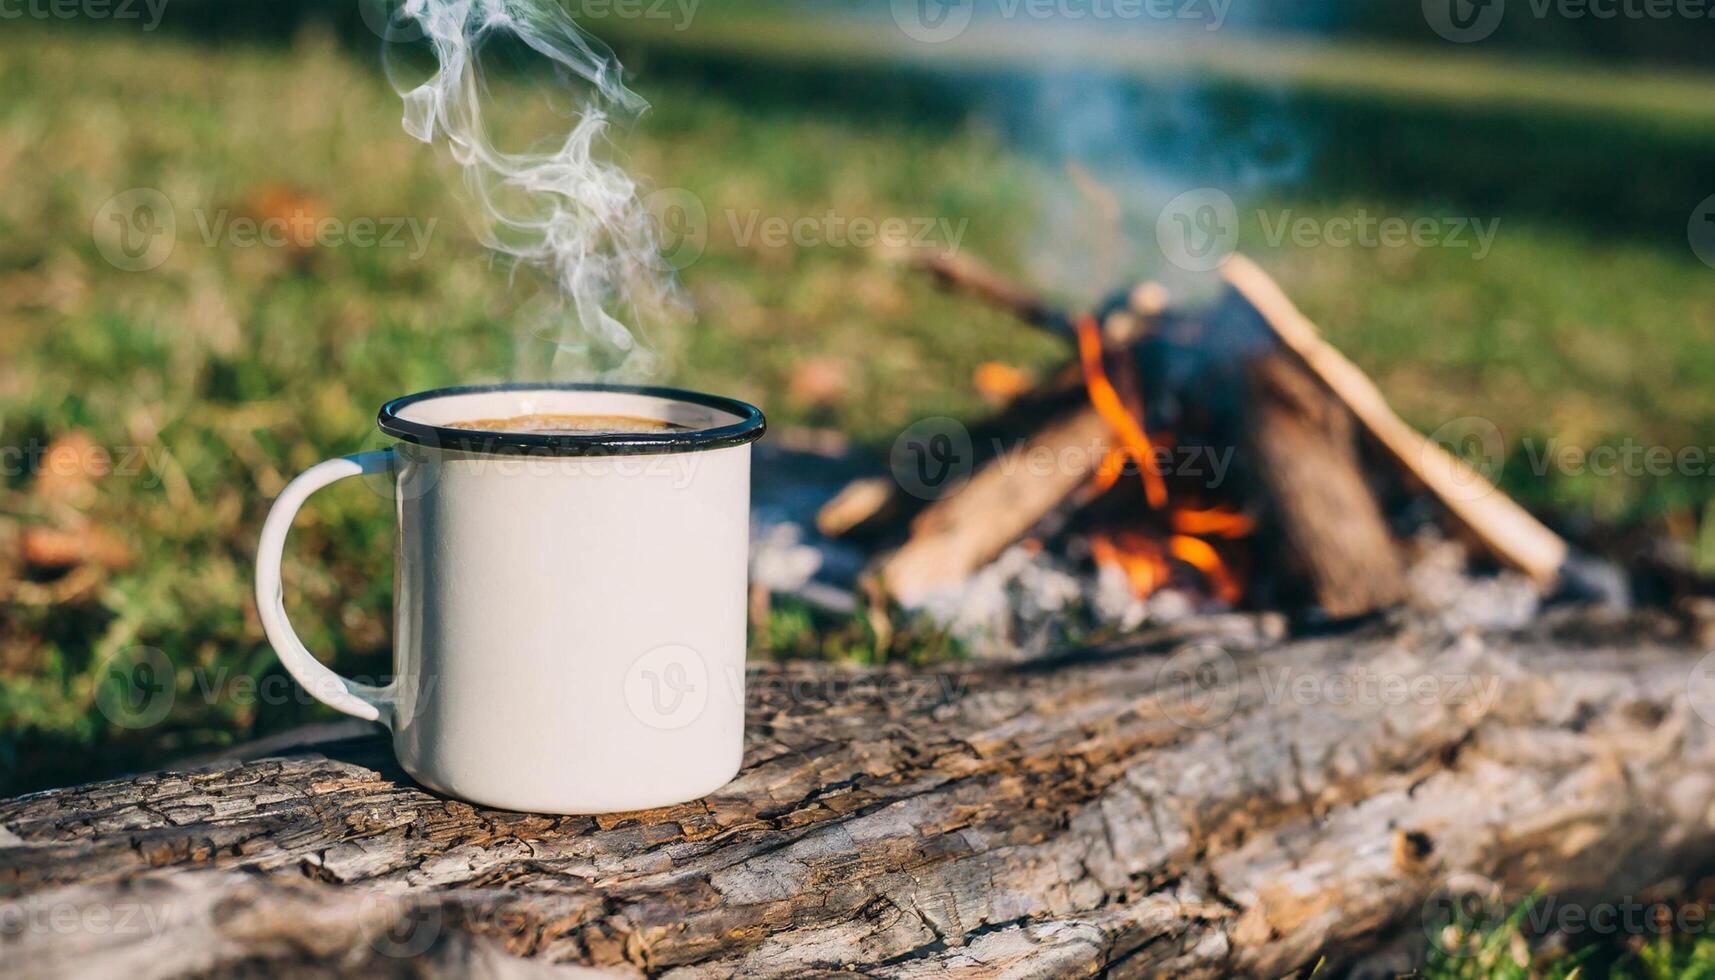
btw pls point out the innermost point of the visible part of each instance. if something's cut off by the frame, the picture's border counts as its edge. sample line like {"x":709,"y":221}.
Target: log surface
{"x":1156,"y":808}
{"x":1334,"y":532}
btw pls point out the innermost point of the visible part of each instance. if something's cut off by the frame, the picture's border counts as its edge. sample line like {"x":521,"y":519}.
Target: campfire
{"x":1222,"y":451}
{"x":1189,"y":534}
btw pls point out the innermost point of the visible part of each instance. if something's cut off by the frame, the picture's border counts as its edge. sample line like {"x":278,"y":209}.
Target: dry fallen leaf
{"x":51,"y":550}
{"x":1001,"y":384}
{"x":289,"y":214}
{"x":820,"y":382}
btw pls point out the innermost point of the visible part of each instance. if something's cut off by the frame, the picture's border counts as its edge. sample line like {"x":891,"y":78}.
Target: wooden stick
{"x":955,"y":270}
{"x":1506,"y":529}
{"x":873,"y":506}
{"x":1105,"y":226}
{"x":861,"y":503}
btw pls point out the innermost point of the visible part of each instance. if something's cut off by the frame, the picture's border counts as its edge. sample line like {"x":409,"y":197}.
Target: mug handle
{"x":339,"y":693}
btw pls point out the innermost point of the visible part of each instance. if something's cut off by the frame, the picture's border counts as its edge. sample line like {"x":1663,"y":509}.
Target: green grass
{"x":1430,"y":74}
{"x":242,"y":366}
{"x":1508,"y":950}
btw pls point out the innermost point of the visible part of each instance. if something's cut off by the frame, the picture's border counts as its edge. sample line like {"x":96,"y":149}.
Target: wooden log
{"x":1139,"y":810}
{"x":1303,"y":446}
{"x":965,"y":273}
{"x":1499,"y":523}
{"x":957,"y":535}
{"x":875,"y":507}
{"x":863,"y":503}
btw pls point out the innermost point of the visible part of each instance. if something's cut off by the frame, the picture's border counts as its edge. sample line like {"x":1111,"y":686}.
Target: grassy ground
{"x":239,"y":366}
{"x":1505,"y":950}
{"x":1424,"y":74}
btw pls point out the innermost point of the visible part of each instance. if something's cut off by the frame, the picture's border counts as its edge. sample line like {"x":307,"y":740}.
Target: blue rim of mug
{"x":748,"y":429}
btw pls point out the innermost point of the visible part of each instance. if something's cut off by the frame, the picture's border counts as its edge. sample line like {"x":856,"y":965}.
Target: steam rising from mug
{"x":562,"y":210}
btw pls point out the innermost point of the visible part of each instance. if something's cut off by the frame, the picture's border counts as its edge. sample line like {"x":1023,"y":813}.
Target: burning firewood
{"x":960,"y":534}
{"x":1306,"y":453}
{"x":870,"y":506}
{"x":1270,"y":388}
{"x":1504,"y":528}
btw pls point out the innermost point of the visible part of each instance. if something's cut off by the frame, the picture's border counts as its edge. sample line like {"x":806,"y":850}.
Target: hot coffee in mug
{"x":570,"y":585}
{"x":571,"y":425}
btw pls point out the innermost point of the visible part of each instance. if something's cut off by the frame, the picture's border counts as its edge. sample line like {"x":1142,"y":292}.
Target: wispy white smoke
{"x":560,"y":209}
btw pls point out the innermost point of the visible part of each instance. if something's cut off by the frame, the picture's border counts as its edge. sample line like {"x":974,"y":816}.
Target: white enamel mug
{"x":569,"y":611}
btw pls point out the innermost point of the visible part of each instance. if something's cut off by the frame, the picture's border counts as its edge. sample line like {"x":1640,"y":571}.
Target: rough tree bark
{"x":1306,"y":453}
{"x":1233,"y":806}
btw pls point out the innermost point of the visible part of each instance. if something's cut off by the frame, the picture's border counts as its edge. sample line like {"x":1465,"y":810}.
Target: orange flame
{"x":1134,"y":442}
{"x":1143,"y":558}
{"x":1139,"y":557}
{"x":1201,"y":555}
{"x":1217,"y":522}
{"x":1112,"y":468}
